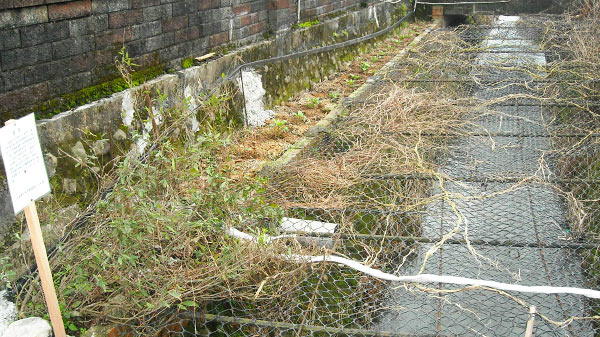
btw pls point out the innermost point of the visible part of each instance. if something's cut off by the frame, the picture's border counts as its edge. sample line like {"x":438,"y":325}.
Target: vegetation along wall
{"x":49,"y":48}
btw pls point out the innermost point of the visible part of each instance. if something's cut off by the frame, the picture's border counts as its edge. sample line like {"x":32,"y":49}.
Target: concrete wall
{"x":53,"y":47}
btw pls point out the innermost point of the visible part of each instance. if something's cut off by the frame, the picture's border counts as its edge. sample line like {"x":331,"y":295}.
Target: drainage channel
{"x":529,"y":214}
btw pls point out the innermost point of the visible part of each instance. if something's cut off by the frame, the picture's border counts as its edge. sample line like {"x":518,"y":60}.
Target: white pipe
{"x":421,"y":278}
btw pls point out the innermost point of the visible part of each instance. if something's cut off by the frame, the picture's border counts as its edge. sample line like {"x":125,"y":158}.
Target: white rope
{"x":422,"y":278}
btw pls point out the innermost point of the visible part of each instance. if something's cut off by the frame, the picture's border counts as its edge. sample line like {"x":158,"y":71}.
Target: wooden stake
{"x":37,"y":242}
{"x":41,"y":259}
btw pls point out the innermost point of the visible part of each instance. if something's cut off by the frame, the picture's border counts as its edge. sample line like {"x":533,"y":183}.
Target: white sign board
{"x":23,"y":162}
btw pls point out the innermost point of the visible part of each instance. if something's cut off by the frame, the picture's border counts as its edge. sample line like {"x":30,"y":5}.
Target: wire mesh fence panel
{"x":476,"y":155}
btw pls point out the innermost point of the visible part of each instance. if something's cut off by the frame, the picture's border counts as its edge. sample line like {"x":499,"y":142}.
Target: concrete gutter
{"x":293,"y":151}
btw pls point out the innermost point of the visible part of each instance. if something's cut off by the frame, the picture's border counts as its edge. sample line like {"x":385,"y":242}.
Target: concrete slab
{"x":498,"y":212}
{"x":496,"y":157}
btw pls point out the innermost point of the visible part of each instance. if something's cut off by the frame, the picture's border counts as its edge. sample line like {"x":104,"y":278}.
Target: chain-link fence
{"x":473,"y":156}
{"x":470,"y":162}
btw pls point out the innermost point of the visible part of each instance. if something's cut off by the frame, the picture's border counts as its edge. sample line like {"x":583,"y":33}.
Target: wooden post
{"x":41,"y":259}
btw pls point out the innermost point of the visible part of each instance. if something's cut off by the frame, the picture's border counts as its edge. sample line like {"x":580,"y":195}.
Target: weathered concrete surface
{"x":519,"y":218}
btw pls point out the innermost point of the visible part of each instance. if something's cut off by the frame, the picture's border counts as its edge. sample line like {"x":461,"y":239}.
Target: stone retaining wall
{"x":52,"y":47}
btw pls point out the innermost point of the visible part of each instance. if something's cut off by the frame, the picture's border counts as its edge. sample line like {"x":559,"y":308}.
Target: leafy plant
{"x":308,"y":24}
{"x":279,"y":127}
{"x":187,"y":63}
{"x":125,"y":66}
{"x":334,"y":95}
{"x":301,"y":116}
{"x":6,"y":272}
{"x":364,"y":66}
{"x":354,"y":77}
{"x":314,"y":102}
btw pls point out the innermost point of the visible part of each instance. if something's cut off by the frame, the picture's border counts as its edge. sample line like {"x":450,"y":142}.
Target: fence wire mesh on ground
{"x":475,"y":154}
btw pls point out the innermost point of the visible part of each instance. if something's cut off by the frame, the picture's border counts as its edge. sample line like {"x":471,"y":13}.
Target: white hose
{"x":422,"y":278}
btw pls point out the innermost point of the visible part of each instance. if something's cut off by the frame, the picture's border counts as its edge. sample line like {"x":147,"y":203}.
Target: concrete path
{"x":521,"y":220}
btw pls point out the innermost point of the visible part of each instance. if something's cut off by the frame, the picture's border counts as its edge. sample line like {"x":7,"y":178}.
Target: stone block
{"x":185,"y":7}
{"x":23,"y":16}
{"x":75,"y":64}
{"x":218,"y":39}
{"x":71,"y":83}
{"x":68,"y":10}
{"x":256,"y":28}
{"x":159,"y":42}
{"x":41,"y":72}
{"x":258,"y":6}
{"x":144,"y":3}
{"x":105,"y":6}
{"x":195,"y":19}
{"x":279,"y":4}
{"x":157,"y":12}
{"x":222,"y":13}
{"x":113,"y":37}
{"x":72,"y":46}
{"x":242,"y":21}
{"x":176,"y":23}
{"x":6,"y":4}
{"x":16,"y":58}
{"x":12,"y":79}
{"x":10,"y":39}
{"x":35,"y":34}
{"x":125,"y":18}
{"x":48,"y":32}
{"x":88,"y":25}
{"x":242,"y":9}
{"x":187,"y":34}
{"x":136,"y":48}
{"x":209,"y":4}
{"x":145,"y":30}
{"x":219,"y":26}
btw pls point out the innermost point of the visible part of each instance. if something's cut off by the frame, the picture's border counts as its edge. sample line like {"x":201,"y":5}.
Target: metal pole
{"x":529,"y":329}
{"x":244,"y":97}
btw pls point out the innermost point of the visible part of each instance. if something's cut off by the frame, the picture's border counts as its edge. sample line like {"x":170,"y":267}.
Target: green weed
{"x":278,"y":127}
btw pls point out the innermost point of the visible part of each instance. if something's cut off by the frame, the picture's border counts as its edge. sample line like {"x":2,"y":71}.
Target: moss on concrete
{"x":87,"y":95}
